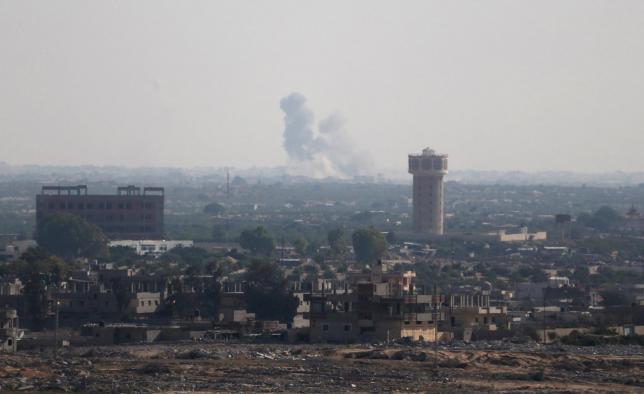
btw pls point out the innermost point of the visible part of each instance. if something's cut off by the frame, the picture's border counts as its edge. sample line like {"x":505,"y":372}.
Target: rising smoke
{"x":329,"y":152}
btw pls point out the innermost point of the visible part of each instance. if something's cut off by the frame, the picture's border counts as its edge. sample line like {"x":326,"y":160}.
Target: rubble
{"x":226,"y":367}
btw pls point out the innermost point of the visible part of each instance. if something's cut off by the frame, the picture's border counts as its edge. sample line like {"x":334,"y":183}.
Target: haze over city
{"x":501,"y":85}
{"x":322,"y":196}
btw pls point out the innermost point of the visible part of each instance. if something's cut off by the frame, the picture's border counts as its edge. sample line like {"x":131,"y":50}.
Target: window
{"x":325,"y":327}
{"x":120,"y":205}
{"x":90,"y":205}
{"x":70,"y":205}
{"x":81,"y":205}
{"x":108,"y":205}
{"x":347,"y":327}
{"x":51,"y":205}
{"x":62,"y":205}
{"x":128,"y":205}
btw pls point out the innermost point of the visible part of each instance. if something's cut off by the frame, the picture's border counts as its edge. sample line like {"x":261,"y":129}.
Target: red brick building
{"x":131,"y":213}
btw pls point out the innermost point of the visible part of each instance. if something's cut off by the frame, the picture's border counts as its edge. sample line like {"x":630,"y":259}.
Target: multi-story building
{"x":131,"y":213}
{"x":428,"y":170}
{"x":379,"y":306}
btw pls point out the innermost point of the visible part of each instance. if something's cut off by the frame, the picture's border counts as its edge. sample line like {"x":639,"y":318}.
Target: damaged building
{"x":384,"y":306}
{"x":379,"y":306}
{"x":10,"y":332}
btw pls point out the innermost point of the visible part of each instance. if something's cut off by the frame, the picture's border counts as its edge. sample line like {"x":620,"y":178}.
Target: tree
{"x":602,"y":219}
{"x":259,"y":241}
{"x":214,"y":209}
{"x":70,"y":236}
{"x":192,"y":261}
{"x":300,"y":245}
{"x":267,"y":294}
{"x":337,"y":242}
{"x":124,"y":254}
{"x":369,"y":244}
{"x":38,"y":271}
{"x":218,"y":233}
{"x":391,"y":237}
{"x":581,"y":275}
{"x":614,"y":297}
{"x":538,"y":276}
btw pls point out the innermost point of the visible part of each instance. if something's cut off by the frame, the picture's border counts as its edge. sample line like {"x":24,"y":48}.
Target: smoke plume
{"x":327,"y":152}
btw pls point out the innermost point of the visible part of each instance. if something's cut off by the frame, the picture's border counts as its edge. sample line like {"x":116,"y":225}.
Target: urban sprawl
{"x":284,"y":262}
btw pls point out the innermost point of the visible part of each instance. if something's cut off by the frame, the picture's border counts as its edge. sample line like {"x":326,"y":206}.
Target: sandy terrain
{"x":323,"y":369}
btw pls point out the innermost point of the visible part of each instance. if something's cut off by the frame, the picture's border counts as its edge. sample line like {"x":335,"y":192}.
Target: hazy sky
{"x":525,"y":85}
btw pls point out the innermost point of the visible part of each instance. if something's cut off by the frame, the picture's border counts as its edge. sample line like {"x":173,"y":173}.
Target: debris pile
{"x":227,"y":367}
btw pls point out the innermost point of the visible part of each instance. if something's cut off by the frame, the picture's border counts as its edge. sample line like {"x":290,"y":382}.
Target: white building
{"x":151,"y":247}
{"x":11,"y":248}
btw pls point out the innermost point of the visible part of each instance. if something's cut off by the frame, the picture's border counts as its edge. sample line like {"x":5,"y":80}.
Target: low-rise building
{"x":11,"y":248}
{"x":9,"y":330}
{"x":151,"y":247}
{"x":10,"y":286}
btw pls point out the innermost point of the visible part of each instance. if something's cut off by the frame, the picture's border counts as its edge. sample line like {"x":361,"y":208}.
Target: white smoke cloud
{"x":329,"y":152}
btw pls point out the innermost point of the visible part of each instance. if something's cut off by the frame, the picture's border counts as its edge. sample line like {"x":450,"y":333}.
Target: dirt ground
{"x":252,"y":368}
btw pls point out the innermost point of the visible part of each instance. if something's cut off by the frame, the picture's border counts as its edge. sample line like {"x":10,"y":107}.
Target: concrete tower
{"x":428,"y":170}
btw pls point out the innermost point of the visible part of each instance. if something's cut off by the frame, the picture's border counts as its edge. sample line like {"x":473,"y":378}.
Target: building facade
{"x":378,"y":306}
{"x":428,"y":170}
{"x":131,"y":213}
{"x":152,"y":247}
{"x":9,"y":330}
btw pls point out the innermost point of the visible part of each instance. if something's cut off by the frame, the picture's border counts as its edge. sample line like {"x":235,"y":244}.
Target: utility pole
{"x":56,"y":323}
{"x":435,"y":317}
{"x":544,"y":316}
{"x":228,"y":203}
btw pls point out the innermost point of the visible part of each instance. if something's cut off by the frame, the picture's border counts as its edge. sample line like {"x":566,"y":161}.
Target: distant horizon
{"x":275,"y":173}
{"x":285,"y":166}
